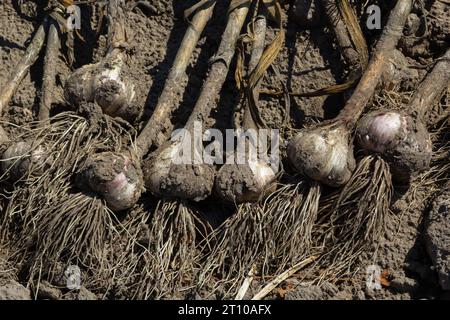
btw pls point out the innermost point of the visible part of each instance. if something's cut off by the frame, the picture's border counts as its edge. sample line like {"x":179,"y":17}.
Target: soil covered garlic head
{"x":117,"y":178}
{"x":23,"y":158}
{"x":239,"y":183}
{"x":106,"y":84}
{"x":324,"y":154}
{"x":165,"y":176}
{"x":402,"y":139}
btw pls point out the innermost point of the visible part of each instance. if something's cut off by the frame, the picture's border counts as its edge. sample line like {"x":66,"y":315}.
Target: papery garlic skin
{"x":323,"y":154}
{"x":377,"y":131}
{"x":403,"y":140}
{"x":239,"y":183}
{"x":23,"y":158}
{"x":105,"y":84}
{"x":112,"y":92}
{"x":117,"y":178}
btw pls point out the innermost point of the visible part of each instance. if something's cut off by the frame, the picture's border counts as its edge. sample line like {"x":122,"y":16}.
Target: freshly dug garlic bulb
{"x":115,"y":177}
{"x":324,"y":154}
{"x":22,"y":158}
{"x":106,"y":84}
{"x":164,"y":177}
{"x":239,"y":183}
{"x":402,"y":139}
{"x":157,"y":168}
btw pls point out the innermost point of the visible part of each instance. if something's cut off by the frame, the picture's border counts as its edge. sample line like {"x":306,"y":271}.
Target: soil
{"x":189,"y":181}
{"x":437,"y":239}
{"x":413,"y":255}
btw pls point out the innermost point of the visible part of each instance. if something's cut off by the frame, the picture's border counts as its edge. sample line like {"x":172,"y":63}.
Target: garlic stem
{"x":158,"y":128}
{"x":22,"y":67}
{"x":392,"y":33}
{"x":237,"y":183}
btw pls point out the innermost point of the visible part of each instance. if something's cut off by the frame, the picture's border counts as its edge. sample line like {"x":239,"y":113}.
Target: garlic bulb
{"x":115,"y":177}
{"x":402,"y":139}
{"x":164,"y":177}
{"x":22,"y":158}
{"x":104,"y":83}
{"x":238,"y":183}
{"x":158,"y":168}
{"x":324,"y":154}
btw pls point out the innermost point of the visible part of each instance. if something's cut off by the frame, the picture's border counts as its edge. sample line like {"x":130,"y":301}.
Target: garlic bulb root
{"x":23,"y":158}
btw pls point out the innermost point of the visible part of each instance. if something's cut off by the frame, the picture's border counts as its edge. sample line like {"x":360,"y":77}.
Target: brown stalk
{"x":220,"y":65}
{"x":392,"y":33}
{"x":430,"y":90}
{"x":348,"y":34}
{"x":22,"y":67}
{"x":48,"y":81}
{"x":159,"y":126}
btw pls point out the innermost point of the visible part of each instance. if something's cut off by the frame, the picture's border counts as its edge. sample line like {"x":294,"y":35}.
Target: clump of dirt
{"x":13,"y":290}
{"x":3,"y":137}
{"x":10,"y":289}
{"x":189,"y":181}
{"x":423,"y":40}
{"x":237,"y":183}
{"x":438,"y":16}
{"x":399,"y":75}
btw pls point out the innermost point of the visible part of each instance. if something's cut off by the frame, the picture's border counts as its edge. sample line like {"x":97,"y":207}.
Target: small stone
{"x":13,"y":290}
{"x":305,"y":293}
{"x":48,"y":292}
{"x":82,"y":294}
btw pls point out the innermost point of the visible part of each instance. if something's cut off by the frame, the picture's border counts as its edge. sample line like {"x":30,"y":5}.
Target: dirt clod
{"x":194,"y":182}
{"x":82,"y":294}
{"x":12,"y":290}
{"x":235,"y":181}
